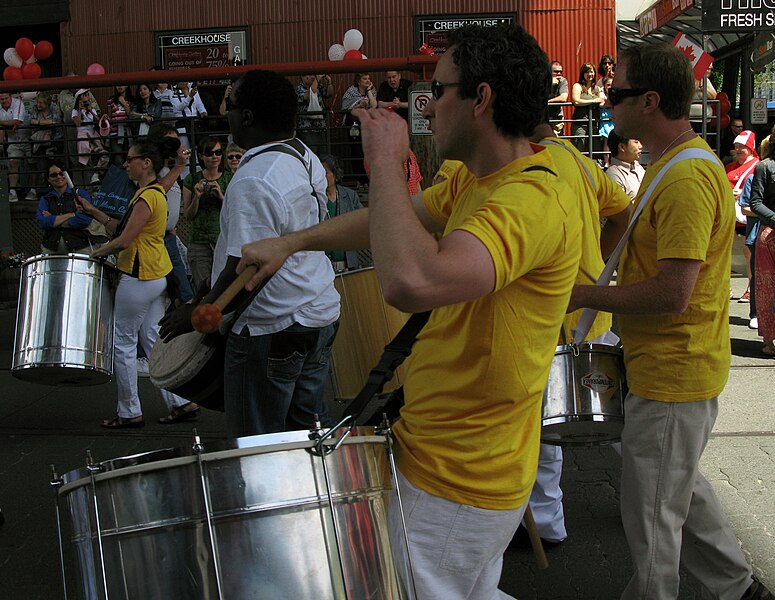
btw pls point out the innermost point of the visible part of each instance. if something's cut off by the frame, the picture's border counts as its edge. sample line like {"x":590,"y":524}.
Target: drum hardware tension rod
{"x":384,"y":429}
{"x":198,"y":449}
{"x":93,"y":469}
{"x":329,"y":494}
{"x":319,"y":438}
{"x":56,"y":483}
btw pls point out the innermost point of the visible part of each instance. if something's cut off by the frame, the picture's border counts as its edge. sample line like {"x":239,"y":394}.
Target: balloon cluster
{"x":426,"y":49}
{"x":22,"y":59}
{"x":349,"y":49}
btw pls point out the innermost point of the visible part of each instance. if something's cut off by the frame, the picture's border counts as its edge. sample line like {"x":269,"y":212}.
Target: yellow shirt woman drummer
{"x":144,"y":265}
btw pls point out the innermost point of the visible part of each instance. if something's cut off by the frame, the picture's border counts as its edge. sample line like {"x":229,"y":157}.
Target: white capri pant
{"x":139,"y":306}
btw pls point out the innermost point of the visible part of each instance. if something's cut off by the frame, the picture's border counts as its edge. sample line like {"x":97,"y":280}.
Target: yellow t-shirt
{"x":470,"y":428}
{"x":598,"y":197}
{"x":691,"y":215}
{"x":153,"y":261}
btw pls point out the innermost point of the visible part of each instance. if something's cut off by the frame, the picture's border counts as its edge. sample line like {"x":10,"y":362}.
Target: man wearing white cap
{"x":738,"y":171}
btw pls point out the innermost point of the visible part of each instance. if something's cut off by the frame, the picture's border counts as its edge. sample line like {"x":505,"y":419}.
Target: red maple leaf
{"x":689,"y":52}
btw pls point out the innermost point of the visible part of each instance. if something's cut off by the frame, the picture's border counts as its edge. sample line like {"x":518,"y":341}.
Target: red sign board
{"x":661,"y":13}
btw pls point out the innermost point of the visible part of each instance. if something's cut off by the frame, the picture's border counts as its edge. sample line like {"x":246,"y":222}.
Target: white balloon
{"x":28,"y":95}
{"x":335,"y":52}
{"x":12,"y":58}
{"x":353,"y":40}
{"x":31,"y":60}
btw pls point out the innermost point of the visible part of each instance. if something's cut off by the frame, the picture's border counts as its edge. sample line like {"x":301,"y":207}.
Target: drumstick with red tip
{"x":207,"y":318}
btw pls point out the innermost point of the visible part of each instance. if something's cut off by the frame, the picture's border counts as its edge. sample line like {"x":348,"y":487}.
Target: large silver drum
{"x":584,"y":399}
{"x":267,"y":518}
{"x":64,"y":322}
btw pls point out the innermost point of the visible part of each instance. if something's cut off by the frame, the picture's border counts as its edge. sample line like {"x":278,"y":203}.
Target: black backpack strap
{"x":394,"y":354}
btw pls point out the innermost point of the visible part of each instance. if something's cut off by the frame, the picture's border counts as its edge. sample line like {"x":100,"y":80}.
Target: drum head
{"x":177,"y":361}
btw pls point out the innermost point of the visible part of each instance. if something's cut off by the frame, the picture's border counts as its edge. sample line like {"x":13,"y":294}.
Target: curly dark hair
{"x":271,"y":98}
{"x":510,"y":60}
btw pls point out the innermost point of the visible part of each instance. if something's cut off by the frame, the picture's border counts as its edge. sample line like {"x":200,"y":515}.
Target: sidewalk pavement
{"x":41,"y":425}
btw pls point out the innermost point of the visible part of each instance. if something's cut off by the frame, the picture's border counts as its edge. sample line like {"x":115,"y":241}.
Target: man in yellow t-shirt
{"x":498,"y":281}
{"x":672,"y":298}
{"x":598,"y":197}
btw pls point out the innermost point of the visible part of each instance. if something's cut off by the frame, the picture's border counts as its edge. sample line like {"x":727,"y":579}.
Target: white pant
{"x":546,"y":496}
{"x":669,"y":510}
{"x":456,"y":550}
{"x":138,"y":307}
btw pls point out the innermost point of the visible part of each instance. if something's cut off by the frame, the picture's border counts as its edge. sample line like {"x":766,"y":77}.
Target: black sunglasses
{"x":57,"y":174}
{"x":616,"y":95}
{"x":217,"y":152}
{"x":557,"y":71}
{"x":437,"y":88}
{"x":234,"y":157}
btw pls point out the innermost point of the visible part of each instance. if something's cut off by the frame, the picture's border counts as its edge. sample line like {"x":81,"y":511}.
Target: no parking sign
{"x":758,"y":111}
{"x":418,"y":98}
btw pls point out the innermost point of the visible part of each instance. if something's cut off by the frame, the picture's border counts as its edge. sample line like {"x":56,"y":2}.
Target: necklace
{"x":670,"y":145}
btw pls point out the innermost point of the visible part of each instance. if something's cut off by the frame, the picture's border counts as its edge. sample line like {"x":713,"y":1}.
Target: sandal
{"x":181,"y":413}
{"x":123,"y":423}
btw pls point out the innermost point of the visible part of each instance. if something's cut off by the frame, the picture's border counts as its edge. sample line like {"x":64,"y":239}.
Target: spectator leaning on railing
{"x":12,"y":116}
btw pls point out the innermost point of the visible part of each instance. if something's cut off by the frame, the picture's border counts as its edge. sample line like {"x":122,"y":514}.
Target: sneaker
{"x":31,"y":196}
{"x":12,"y":197}
{"x":753,"y":323}
{"x":758,"y":591}
{"x":745,"y":297}
{"x":142,"y":367}
{"x":95,"y":178}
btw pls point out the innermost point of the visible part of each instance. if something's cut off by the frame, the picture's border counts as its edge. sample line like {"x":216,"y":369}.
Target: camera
{"x":205,"y":187}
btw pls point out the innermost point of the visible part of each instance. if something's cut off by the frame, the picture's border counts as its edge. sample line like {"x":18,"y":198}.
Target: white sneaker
{"x":31,"y":196}
{"x":753,"y":323}
{"x":142,"y":367}
{"x":12,"y":197}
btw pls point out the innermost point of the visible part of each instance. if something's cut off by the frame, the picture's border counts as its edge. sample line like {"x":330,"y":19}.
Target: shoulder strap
{"x":555,"y":142}
{"x":291,"y":149}
{"x":588,"y":316}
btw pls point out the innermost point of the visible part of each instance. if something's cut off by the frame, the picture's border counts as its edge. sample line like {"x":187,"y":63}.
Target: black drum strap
{"x":394,"y":354}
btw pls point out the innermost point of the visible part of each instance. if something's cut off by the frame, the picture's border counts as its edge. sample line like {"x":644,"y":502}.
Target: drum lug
{"x":384,"y":427}
{"x":575,"y":349}
{"x":91,"y":466}
{"x":197,"y":447}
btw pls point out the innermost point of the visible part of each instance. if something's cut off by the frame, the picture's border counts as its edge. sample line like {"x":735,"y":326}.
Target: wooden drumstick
{"x":535,"y":540}
{"x":207,"y":318}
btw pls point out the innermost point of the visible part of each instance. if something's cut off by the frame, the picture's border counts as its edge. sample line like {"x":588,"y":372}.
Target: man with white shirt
{"x":625,"y":169}
{"x":278,"y":350}
{"x":12,"y":115}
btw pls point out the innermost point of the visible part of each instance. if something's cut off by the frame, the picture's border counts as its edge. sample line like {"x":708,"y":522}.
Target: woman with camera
{"x":89,"y":145}
{"x":141,"y":294}
{"x":203,"y":194}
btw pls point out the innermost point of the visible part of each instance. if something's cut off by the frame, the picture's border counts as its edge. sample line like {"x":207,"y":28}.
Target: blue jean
{"x":275,"y":382}
{"x":178,"y":268}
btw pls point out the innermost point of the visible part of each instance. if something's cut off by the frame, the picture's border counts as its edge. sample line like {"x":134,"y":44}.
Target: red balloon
{"x":724,"y":121}
{"x":43,"y":50}
{"x":353,"y":55}
{"x":11,"y":73}
{"x":724,"y":106}
{"x":24,"y":48}
{"x":722,"y":96}
{"x":31,"y":71}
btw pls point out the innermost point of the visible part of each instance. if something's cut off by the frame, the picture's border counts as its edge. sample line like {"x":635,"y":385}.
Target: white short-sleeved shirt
{"x":15,"y":112}
{"x":270,"y":196}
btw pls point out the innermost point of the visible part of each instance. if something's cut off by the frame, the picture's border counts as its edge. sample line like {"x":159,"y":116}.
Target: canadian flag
{"x":700,"y":59}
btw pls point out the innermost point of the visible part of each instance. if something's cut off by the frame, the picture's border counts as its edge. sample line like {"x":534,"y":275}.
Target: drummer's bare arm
{"x":666,"y":293}
{"x":349,"y":231}
{"x":613,"y":231}
{"x":86,"y":207}
{"x":141,"y":213}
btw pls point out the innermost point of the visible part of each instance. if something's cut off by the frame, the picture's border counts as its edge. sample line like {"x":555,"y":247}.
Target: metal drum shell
{"x":583,"y":403}
{"x":64,"y":322}
{"x":271,"y":521}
